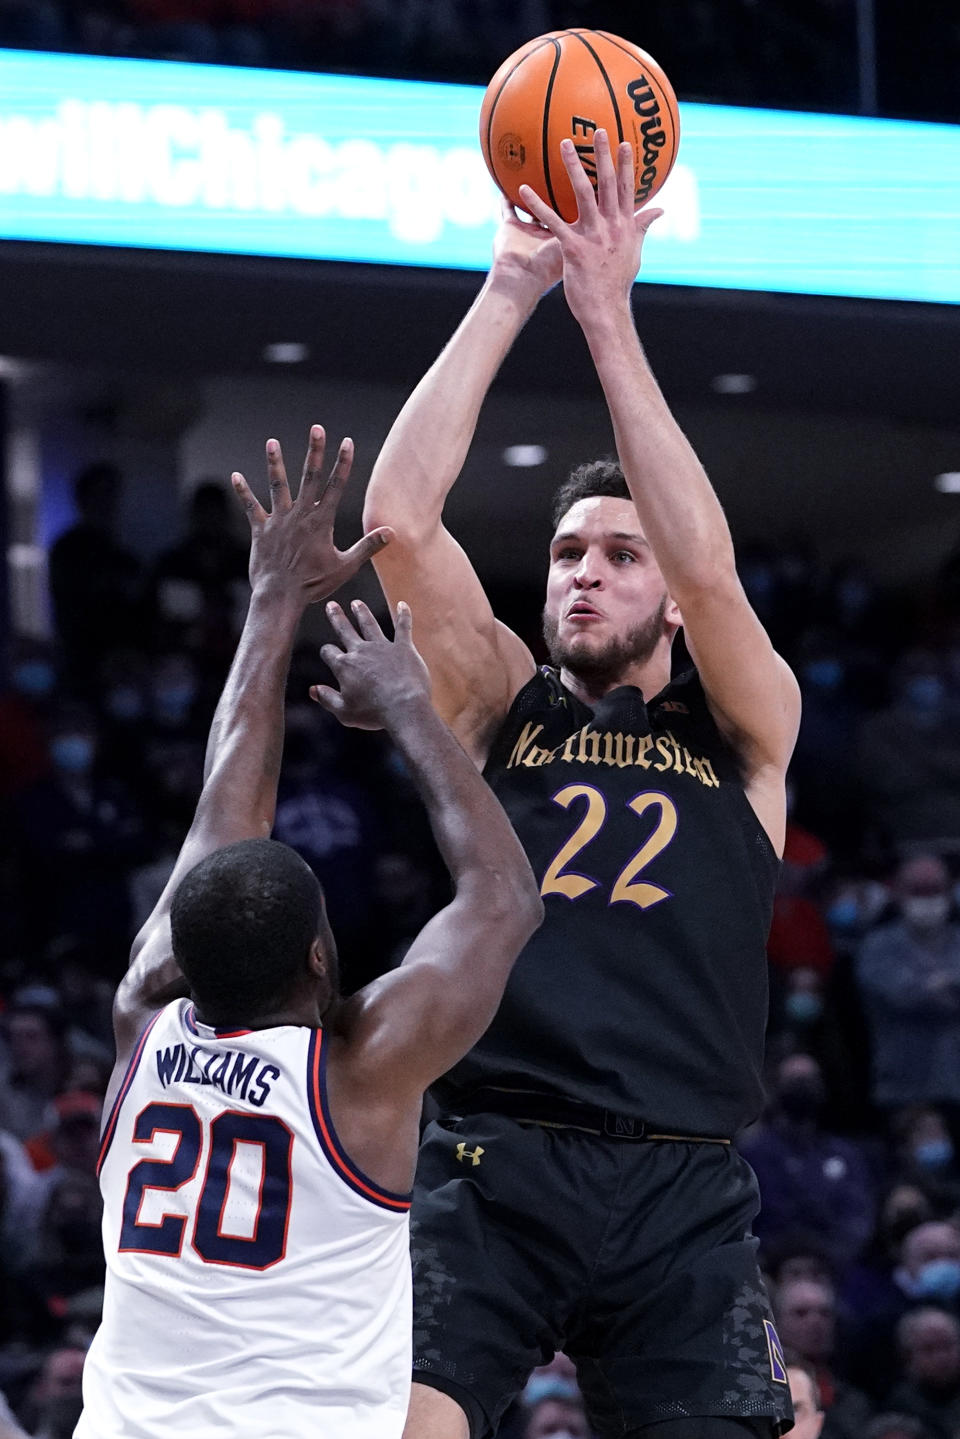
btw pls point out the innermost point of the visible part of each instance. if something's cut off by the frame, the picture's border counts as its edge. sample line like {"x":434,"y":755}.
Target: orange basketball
{"x":568,"y":84}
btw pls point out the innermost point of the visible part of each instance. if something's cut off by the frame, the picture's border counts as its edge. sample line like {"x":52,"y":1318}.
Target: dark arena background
{"x":224,"y":221}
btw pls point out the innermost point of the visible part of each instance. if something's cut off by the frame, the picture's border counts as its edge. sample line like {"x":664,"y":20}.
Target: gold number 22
{"x":626,"y":886}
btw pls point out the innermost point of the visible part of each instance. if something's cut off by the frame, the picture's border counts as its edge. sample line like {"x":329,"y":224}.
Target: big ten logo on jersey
{"x":661,"y":752}
{"x":229,"y":1070}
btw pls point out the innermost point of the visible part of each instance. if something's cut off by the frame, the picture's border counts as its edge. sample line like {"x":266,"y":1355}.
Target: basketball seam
{"x":496,"y":100}
{"x":675,"y":135}
{"x":546,"y":123}
{"x":607,"y":81}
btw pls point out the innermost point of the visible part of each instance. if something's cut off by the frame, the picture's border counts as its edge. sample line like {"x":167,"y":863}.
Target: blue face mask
{"x":549,"y":1386}
{"x":124,"y":703}
{"x":940,"y":1279}
{"x":933,"y":1154}
{"x":34,"y":678}
{"x":853,"y":597}
{"x":825,"y":674}
{"x":173,"y":702}
{"x":844,"y":914}
{"x":757,"y":581}
{"x":924,"y":693}
{"x":803,"y":1007}
{"x":72,"y":753}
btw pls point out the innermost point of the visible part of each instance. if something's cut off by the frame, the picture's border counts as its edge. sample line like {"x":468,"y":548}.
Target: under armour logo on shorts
{"x":463,"y":1154}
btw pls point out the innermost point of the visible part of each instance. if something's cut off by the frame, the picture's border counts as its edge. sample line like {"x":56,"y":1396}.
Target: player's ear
{"x":317,"y":959}
{"x":672,"y":615}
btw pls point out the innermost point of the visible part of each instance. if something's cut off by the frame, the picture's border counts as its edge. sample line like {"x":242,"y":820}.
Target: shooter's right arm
{"x":476,"y":664}
{"x":407,"y":1028}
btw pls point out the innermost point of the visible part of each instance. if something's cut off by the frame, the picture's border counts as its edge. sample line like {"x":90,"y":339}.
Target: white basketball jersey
{"x":257,"y":1283}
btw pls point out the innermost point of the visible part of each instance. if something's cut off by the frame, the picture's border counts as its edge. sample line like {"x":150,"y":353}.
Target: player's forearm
{"x":476,"y":840}
{"x":245,"y":747}
{"x":678,"y":508}
{"x":426,"y":448}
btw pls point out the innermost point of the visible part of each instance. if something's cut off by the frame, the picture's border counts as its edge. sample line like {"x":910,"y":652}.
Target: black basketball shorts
{"x":635,"y":1258}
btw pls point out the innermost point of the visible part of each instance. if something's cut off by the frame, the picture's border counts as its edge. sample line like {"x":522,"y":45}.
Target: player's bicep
{"x":751,"y":690}
{"x":476,"y":664}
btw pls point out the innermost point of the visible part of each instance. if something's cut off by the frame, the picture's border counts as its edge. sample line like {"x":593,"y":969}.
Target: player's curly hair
{"x":243,"y":922}
{"x":596,"y":477}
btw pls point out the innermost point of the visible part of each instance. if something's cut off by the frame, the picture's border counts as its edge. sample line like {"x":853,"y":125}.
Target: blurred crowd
{"x":102,"y":734}
{"x":786,"y":53}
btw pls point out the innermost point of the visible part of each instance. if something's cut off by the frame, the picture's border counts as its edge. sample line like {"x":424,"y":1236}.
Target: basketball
{"x":567,"y":84}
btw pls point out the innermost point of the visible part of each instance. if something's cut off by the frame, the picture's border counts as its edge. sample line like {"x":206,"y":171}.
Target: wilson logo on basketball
{"x":647,"y":106}
{"x":512,"y":151}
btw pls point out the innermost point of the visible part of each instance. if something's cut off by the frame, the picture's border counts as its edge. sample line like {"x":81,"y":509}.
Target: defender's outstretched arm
{"x":293,"y":562}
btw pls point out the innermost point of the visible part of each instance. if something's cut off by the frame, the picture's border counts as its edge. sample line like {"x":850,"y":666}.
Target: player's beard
{"x":605,"y":667}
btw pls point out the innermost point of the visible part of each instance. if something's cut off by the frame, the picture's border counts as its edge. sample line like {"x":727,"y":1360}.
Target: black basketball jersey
{"x":645,"y":989}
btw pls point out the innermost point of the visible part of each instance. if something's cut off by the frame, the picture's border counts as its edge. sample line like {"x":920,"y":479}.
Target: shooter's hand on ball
{"x":292,"y":554}
{"x":382,"y":683}
{"x":602,"y":249}
{"x":525,"y":255}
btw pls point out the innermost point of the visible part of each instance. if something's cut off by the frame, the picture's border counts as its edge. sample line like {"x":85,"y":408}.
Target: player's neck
{"x":649,"y":677}
{"x":306,"y":1015}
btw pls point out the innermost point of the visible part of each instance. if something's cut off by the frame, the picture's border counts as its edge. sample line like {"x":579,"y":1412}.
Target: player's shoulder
{"x":683,"y":700}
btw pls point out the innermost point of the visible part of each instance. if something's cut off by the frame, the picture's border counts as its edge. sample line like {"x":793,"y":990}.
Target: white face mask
{"x":925,"y":911}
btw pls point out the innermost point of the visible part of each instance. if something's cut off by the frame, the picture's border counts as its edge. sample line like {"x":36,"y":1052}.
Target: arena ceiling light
{"x":286,"y":352}
{"x":948,"y":483}
{"x":525,"y":457}
{"x":734,"y":384}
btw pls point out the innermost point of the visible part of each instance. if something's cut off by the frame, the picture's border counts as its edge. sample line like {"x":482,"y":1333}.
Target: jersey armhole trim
{"x":132,"y":1067}
{"x":327,"y":1135}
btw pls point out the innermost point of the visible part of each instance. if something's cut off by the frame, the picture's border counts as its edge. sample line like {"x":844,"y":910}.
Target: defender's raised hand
{"x":292,"y":549}
{"x":602,"y":249}
{"x":378,"y":678}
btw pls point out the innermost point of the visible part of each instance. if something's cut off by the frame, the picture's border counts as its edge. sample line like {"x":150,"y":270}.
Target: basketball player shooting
{"x":580,"y":1189}
{"x":261,"y":1131}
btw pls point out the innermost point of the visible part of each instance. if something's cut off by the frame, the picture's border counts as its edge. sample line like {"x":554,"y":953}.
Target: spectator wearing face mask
{"x":929,"y":1268}
{"x":909,"y":760}
{"x":926,"y":1155}
{"x":95,"y":582}
{"x":908,"y":973}
{"x":200,"y":586}
{"x":923,"y":1268}
{"x":24,"y":703}
{"x":77,"y":834}
{"x":551,"y":1404}
{"x":929,"y":1344}
{"x":810,"y":1180}
{"x":823,"y":761}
